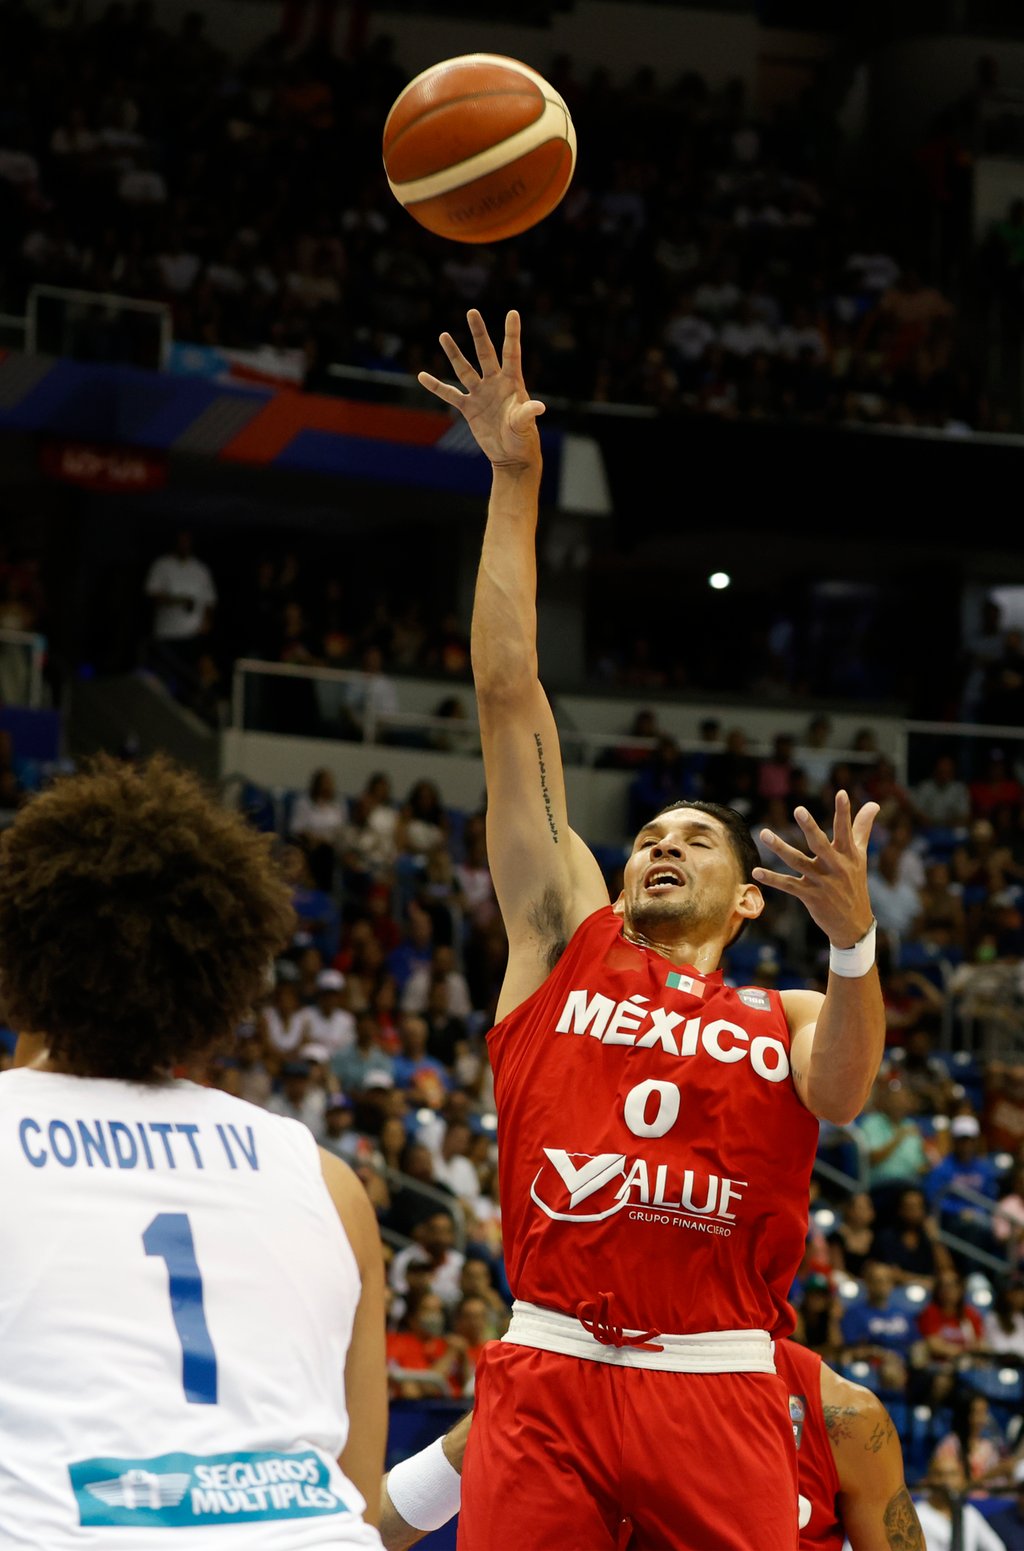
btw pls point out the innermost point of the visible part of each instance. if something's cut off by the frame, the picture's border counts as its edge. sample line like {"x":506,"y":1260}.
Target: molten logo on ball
{"x":479,"y":148}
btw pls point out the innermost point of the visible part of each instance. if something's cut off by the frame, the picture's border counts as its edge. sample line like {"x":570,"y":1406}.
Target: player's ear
{"x":620,"y":905}
{"x":750,"y":902}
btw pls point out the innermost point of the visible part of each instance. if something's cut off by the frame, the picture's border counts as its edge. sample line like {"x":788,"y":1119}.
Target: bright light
{"x":719,"y":580}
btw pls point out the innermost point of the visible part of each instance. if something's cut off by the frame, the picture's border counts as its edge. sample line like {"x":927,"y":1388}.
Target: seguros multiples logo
{"x":590,"y":1187}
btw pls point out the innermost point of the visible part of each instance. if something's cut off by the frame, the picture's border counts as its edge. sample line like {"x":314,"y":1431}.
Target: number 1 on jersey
{"x":169,"y":1237}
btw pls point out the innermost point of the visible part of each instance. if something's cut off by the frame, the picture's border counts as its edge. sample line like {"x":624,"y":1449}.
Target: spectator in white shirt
{"x":181,"y":588}
{"x":946,"y":1477}
{"x":942,"y":802}
{"x":454,"y":1169}
{"x":416,"y":994}
{"x":318,"y":821}
{"x":897,"y":905}
{"x":375,"y":694}
{"x":328,"y":1021}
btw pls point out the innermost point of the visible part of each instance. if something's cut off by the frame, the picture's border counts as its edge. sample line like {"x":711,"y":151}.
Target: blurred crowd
{"x":372,"y":1032}
{"x":706,"y":259}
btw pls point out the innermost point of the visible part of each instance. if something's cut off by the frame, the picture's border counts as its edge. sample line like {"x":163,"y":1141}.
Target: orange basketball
{"x":479,"y":148}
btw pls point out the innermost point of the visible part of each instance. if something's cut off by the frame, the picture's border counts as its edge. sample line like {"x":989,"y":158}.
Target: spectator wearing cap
{"x":338,"y":1133}
{"x":298,"y":1097}
{"x":817,"y":1318}
{"x":366,"y":1059}
{"x":965,"y":1168}
{"x":328,"y":1021}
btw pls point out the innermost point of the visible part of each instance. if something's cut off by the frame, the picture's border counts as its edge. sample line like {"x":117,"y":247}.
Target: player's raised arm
{"x":837,"y":1040}
{"x":875,"y":1506}
{"x":545,"y":879}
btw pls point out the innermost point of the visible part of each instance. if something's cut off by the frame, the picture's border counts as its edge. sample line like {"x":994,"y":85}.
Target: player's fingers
{"x":464,"y":371}
{"x":842,"y":824}
{"x":777,"y":880}
{"x":485,"y":351}
{"x":441,"y":390}
{"x":785,"y":852}
{"x":813,"y":833}
{"x":511,"y":350}
{"x":862,"y":824}
{"x":524,"y":415}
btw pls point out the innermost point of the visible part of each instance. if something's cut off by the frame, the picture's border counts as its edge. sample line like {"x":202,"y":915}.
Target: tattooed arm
{"x":545,"y":879}
{"x":874,"y":1505}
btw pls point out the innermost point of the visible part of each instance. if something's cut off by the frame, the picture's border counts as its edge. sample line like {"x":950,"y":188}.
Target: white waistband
{"x":711,"y":1351}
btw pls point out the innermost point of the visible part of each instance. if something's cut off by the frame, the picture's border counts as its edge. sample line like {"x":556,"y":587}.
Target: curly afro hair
{"x":138,"y":919}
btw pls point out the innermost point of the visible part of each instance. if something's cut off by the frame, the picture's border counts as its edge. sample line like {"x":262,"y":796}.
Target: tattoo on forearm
{"x":880,"y":1437}
{"x":544,"y":788}
{"x":837,"y":1421}
{"x":902,"y":1526}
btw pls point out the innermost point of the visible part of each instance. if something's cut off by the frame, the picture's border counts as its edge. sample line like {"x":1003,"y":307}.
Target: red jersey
{"x":820,"y":1527}
{"x":650,"y":1142}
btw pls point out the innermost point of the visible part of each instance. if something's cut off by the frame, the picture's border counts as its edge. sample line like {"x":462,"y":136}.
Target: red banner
{"x":114,"y":469}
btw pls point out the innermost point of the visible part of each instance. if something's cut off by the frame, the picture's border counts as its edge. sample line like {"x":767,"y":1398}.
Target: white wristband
{"x":426,"y":1489}
{"x":853,"y":962}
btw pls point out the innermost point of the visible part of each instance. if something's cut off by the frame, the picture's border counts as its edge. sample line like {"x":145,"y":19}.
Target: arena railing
{"x":445,"y":1202}
{"x":22,"y":659}
{"x":371,"y":725}
{"x":58,"y":319}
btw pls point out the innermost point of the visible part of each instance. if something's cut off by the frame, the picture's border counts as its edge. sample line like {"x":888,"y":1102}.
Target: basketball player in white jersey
{"x":191,"y":1294}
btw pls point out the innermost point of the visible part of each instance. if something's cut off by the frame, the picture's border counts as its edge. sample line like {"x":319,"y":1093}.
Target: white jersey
{"x":177,"y":1297}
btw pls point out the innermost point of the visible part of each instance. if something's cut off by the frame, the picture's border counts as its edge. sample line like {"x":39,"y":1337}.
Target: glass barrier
{"x":22,"y":657}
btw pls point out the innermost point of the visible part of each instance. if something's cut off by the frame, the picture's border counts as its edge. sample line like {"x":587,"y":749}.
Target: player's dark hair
{"x":735,"y":826}
{"x":138,"y":919}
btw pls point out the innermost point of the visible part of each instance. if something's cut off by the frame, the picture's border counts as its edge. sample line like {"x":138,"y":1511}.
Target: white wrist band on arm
{"x":853,"y":962}
{"x":426,"y":1489}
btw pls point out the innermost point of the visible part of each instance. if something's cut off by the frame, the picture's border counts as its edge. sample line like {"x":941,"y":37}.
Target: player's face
{"x":682,"y":871}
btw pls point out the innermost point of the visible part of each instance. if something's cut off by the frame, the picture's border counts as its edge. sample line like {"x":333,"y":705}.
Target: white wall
{"x":597,"y":798}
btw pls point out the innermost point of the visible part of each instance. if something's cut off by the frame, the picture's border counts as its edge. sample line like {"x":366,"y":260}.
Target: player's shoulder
{"x":853,"y":1414}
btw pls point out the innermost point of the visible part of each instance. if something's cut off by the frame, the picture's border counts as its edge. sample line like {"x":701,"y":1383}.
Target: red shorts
{"x":563,"y":1450}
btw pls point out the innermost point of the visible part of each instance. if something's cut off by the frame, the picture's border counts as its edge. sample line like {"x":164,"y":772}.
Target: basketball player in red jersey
{"x":656,"y":1127}
{"x":851,"y":1478}
{"x":850,"y":1461}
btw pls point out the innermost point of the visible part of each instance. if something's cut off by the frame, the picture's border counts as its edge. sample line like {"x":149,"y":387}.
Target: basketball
{"x":479,"y":148}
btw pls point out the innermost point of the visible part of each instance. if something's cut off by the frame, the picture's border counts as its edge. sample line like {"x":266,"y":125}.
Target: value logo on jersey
{"x":589,"y":1187}
{"x":178,"y":1490}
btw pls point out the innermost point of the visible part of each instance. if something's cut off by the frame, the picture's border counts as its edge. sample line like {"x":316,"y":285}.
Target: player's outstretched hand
{"x":495,"y":404}
{"x":832,"y":882}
